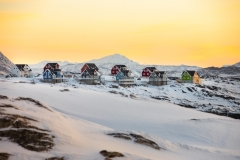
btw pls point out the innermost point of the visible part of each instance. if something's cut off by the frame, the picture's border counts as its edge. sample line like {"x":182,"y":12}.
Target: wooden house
{"x":52,"y":73}
{"x":115,"y":69}
{"x":89,"y":66}
{"x":146,"y":72}
{"x":158,"y":78}
{"x":191,"y":77}
{"x":124,"y":78}
{"x":90,"y":74}
{"x":21,"y":70}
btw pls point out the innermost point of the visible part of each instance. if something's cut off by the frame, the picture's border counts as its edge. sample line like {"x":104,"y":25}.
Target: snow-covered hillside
{"x":237,"y":64}
{"x":79,"y":119}
{"x":5,"y":64}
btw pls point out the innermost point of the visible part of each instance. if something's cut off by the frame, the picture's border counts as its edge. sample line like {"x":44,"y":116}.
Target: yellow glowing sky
{"x":193,"y":32}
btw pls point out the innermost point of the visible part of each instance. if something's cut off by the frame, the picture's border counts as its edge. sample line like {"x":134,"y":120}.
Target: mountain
{"x":237,"y":64}
{"x":43,"y":63}
{"x":230,"y":70}
{"x":113,"y":59}
{"x":5,"y":64}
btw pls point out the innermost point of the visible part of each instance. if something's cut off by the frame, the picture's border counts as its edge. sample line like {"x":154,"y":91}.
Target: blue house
{"x":52,"y":73}
{"x":47,"y":75}
{"x":125,"y":78}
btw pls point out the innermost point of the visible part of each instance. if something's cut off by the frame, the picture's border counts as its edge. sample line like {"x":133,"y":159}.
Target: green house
{"x":190,"y":77}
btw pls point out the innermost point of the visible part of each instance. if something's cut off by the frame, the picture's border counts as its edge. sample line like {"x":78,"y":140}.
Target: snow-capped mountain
{"x":43,"y":63}
{"x":237,"y":64}
{"x":5,"y":64}
{"x":114,"y":59}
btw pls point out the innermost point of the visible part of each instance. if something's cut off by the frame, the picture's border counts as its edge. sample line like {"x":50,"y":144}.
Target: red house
{"x":51,"y":66}
{"x":148,"y":71}
{"x":117,"y":68}
{"x":88,"y":66}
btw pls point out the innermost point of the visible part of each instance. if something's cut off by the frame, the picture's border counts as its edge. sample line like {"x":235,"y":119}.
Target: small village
{"x":90,"y":75}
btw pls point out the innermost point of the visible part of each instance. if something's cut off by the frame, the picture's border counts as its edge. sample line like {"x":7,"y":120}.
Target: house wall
{"x":84,"y":67}
{"x":146,"y":73}
{"x":47,"y":76}
{"x":196,"y":79}
{"x":16,"y":71}
{"x":158,"y":83}
{"x":114,"y":70}
{"x":119,"y":76}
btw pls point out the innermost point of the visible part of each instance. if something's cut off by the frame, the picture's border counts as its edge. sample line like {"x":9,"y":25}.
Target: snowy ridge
{"x":43,"y":63}
{"x":237,"y":64}
{"x":5,"y":65}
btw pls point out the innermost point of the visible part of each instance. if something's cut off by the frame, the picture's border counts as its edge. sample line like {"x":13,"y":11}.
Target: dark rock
{"x":4,"y":156}
{"x":107,"y":154}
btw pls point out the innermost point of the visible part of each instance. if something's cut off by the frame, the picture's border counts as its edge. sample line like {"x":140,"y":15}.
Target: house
{"x":90,"y":74}
{"x":191,"y":77}
{"x":51,"y":66}
{"x":89,"y":66}
{"x":158,"y":78}
{"x":52,"y":73}
{"x":124,"y":78}
{"x":115,"y":69}
{"x":21,"y":70}
{"x":146,"y":72}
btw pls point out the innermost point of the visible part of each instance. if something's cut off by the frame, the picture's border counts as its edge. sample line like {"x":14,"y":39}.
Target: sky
{"x":165,"y":32}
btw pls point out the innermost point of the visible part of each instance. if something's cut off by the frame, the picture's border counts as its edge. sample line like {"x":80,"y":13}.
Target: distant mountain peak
{"x":113,"y":59}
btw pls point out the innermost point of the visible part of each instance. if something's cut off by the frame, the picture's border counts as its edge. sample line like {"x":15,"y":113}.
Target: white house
{"x":21,"y":70}
{"x":158,"y":78}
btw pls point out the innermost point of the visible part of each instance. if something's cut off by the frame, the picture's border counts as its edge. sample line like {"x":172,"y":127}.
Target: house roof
{"x":21,"y":66}
{"x":49,"y":71}
{"x":151,"y":68}
{"x":92,"y":66}
{"x":52,"y":64}
{"x":190,"y":72}
{"x":120,"y":66}
{"x":159,"y":73}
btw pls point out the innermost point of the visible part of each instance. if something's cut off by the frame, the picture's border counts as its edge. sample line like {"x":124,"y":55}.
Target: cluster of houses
{"x":90,"y":74}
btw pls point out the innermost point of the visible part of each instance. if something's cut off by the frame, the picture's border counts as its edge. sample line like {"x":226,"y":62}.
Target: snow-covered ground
{"x":83,"y":116}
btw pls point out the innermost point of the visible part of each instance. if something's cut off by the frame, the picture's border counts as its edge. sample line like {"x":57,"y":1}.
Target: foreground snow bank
{"x":87,"y":117}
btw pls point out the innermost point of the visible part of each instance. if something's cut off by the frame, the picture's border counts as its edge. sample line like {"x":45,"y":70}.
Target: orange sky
{"x":193,"y":32}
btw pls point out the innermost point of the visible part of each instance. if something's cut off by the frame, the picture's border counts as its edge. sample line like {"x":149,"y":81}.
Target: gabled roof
{"x":120,"y":66}
{"x":190,"y":72}
{"x":90,"y":71}
{"x":52,"y":64}
{"x":151,"y":68}
{"x":49,"y":71}
{"x":92,"y":66}
{"x":21,"y":66}
{"x":159,"y":73}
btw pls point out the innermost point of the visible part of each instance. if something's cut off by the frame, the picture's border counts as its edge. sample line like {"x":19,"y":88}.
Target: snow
{"x":5,"y":65}
{"x":82,"y":117}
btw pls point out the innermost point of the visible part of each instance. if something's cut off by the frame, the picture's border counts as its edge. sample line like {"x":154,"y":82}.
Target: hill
{"x":5,"y":64}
